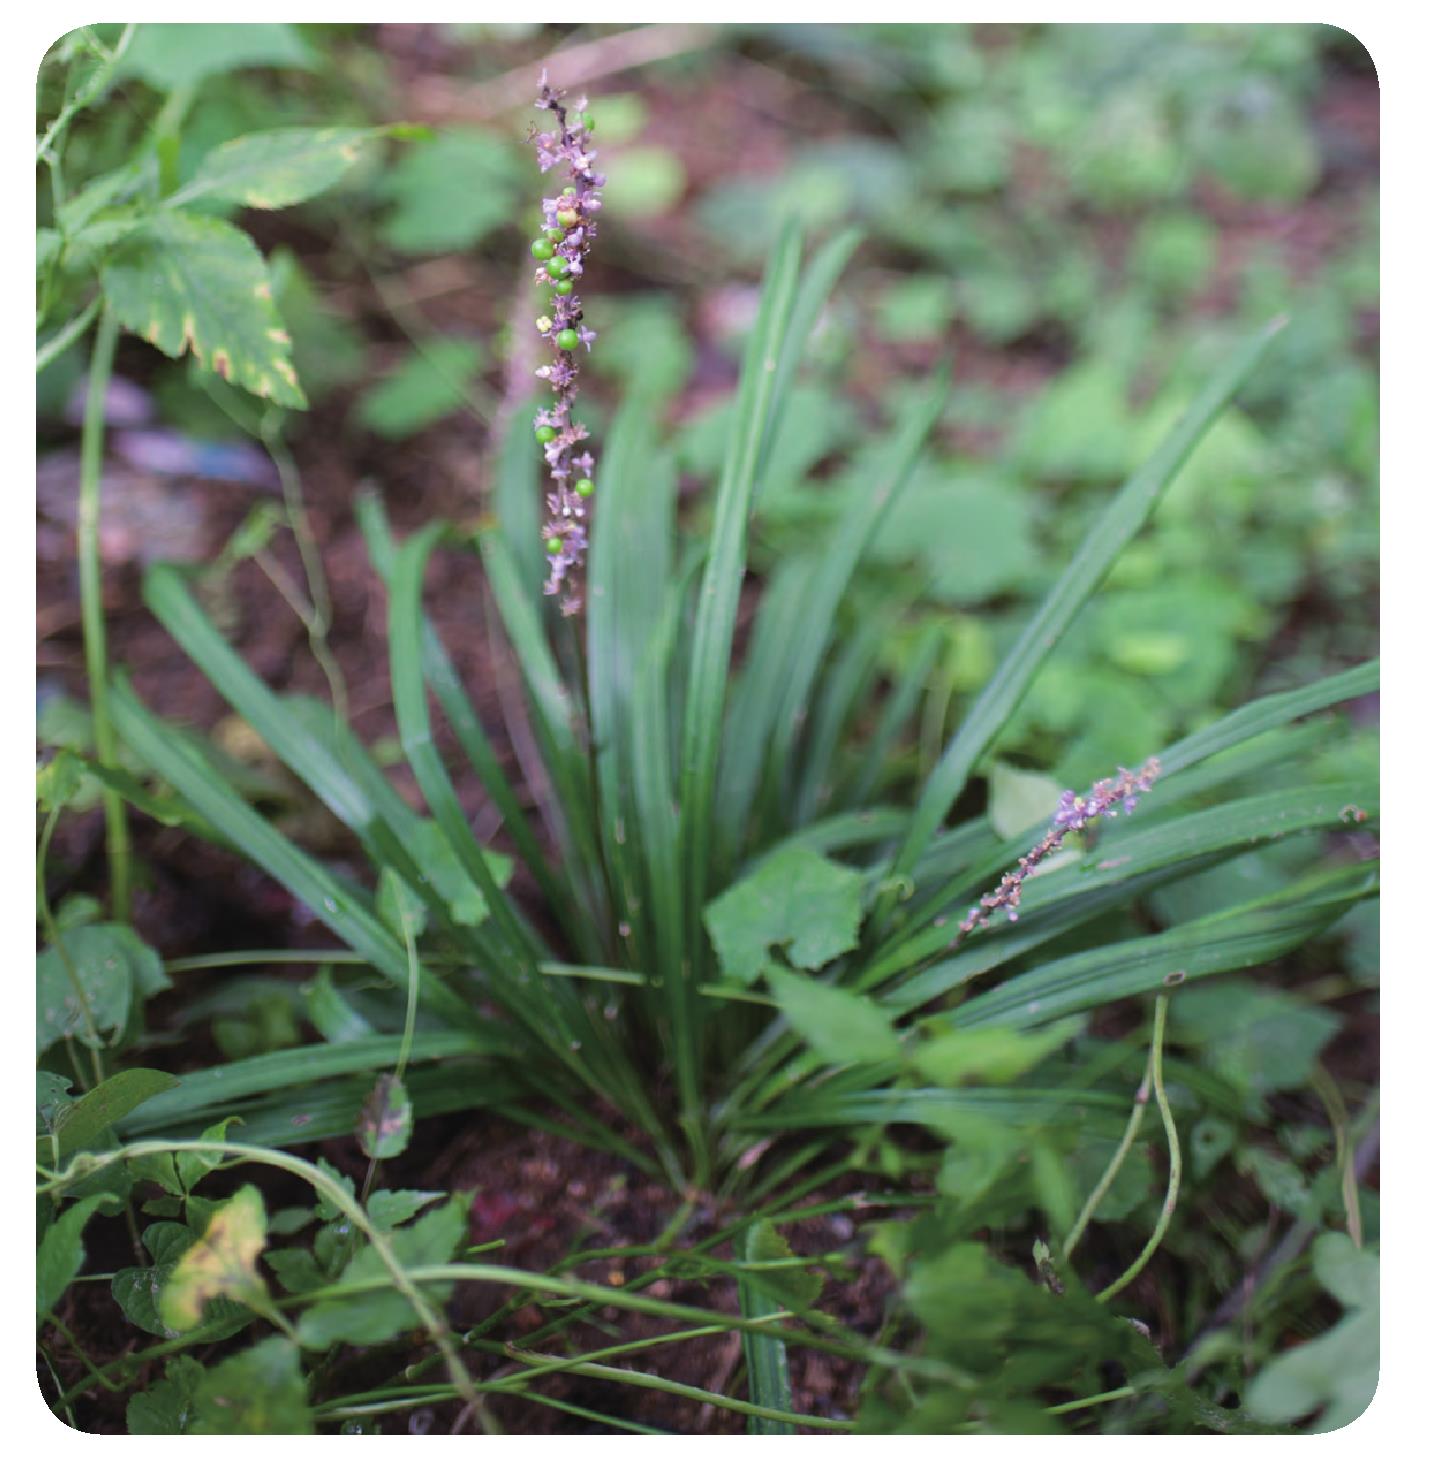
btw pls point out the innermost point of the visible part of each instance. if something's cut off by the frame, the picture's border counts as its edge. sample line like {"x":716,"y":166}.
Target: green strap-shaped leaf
{"x":1127,"y":512}
{"x":724,"y":569}
{"x":277,"y":168}
{"x":188,"y":283}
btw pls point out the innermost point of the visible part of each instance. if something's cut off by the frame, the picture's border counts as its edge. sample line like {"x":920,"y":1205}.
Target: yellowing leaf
{"x":276,"y":168}
{"x":188,"y":283}
{"x":221,"y":1265}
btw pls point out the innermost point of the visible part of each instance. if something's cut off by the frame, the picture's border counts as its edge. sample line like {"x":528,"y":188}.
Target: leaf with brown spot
{"x":221,"y":1265}
{"x":188,"y":283}
{"x":385,"y":1120}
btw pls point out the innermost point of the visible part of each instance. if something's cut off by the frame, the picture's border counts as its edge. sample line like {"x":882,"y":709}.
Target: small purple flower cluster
{"x":1073,"y":813}
{"x":569,"y":229}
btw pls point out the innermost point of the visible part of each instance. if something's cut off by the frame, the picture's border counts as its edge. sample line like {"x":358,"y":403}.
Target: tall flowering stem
{"x":568,"y":230}
{"x":1073,"y":813}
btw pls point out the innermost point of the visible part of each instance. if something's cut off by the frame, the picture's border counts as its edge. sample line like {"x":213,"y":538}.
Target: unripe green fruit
{"x":555,"y":234}
{"x":584,"y":488}
{"x":587,"y":119}
{"x":542,"y":249}
{"x":568,"y":189}
{"x":567,"y":340}
{"x":554,"y":545}
{"x":568,"y":217}
{"x":557,"y":268}
{"x":545,"y":434}
{"x":564,"y":287}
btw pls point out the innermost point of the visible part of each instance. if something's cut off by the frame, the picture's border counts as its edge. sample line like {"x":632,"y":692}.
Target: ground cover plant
{"x":920,"y":900}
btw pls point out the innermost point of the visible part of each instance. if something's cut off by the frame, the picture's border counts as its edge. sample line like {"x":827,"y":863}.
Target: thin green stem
{"x":1118,"y":1394}
{"x":69,"y":333}
{"x":1172,"y":1138}
{"x":92,"y":607}
{"x":620,"y":1376}
{"x":1132,"y":1129}
{"x":1334,"y":1104}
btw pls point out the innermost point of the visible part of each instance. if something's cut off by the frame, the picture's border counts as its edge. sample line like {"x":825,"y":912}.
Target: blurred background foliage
{"x":1083,"y":217}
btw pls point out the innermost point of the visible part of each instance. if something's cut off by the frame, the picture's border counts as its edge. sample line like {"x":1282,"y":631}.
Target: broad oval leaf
{"x":276,"y":168}
{"x":796,"y":900}
{"x":187,"y":282}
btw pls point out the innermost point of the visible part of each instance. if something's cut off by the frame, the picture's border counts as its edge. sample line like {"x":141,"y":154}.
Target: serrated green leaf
{"x":796,"y":900}
{"x":296,"y":1269}
{"x":842,"y":1028}
{"x":61,"y":1254}
{"x":390,"y":1209}
{"x":184,"y":282}
{"x":373,"y":1317}
{"x":191,"y":1166}
{"x":221,"y":1265}
{"x":165,"y":1409}
{"x":276,"y":168}
{"x":259,"y":1392}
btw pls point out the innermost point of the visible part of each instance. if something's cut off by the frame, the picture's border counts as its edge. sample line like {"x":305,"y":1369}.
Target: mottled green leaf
{"x":184,"y":282}
{"x":259,"y":1392}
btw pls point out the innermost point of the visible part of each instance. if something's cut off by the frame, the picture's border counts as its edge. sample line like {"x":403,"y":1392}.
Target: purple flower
{"x":575,"y":212}
{"x":1072,"y":813}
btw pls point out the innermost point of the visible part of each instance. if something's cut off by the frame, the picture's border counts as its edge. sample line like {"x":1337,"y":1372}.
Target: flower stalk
{"x":1073,"y":813}
{"x":569,"y":221}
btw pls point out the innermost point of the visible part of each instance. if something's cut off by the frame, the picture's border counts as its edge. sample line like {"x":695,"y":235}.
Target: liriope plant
{"x":750,"y":959}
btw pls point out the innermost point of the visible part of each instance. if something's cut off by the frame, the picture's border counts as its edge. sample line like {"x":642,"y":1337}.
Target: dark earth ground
{"x":542,"y":1194}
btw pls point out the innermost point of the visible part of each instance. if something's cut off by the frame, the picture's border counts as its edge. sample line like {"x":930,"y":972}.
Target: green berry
{"x":557,"y":267}
{"x":568,"y":189}
{"x":587,"y":119}
{"x":568,"y":217}
{"x":542,"y":249}
{"x":554,"y":545}
{"x":555,"y":234}
{"x":567,"y":340}
{"x":564,"y":287}
{"x":584,"y":487}
{"x":545,"y":434}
